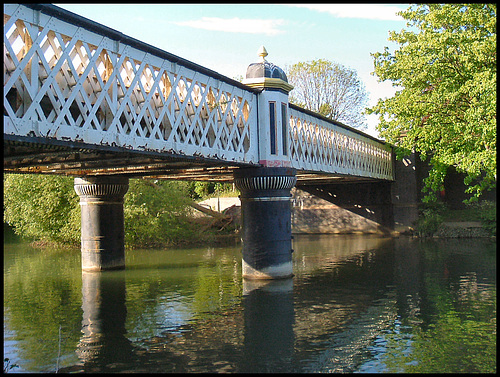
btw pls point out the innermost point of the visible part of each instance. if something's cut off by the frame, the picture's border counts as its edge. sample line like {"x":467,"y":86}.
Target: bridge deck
{"x":81,"y":98}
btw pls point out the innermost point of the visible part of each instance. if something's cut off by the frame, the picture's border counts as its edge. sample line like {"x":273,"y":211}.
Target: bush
{"x":42,"y":207}
{"x":156,"y":213}
{"x":46,"y":208}
{"x":203,"y":190}
{"x":430,"y":218}
{"x":488,"y":215}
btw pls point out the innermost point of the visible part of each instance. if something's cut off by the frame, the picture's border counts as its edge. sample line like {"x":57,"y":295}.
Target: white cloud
{"x":364,"y":11}
{"x":236,"y":25}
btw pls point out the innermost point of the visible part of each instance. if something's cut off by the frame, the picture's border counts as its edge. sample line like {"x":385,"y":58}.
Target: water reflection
{"x":356,"y":304}
{"x":343,"y":302}
{"x":408,"y":274}
{"x":104,"y":345}
{"x":269,"y":319}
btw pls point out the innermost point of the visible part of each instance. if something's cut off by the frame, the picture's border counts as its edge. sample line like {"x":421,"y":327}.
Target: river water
{"x":355,"y":304}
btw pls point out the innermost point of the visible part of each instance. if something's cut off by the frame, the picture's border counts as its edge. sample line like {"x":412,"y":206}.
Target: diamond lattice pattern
{"x":318,"y":145}
{"x":66,"y":82}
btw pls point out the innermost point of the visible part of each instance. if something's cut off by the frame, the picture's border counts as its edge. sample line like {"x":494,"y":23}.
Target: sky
{"x":226,"y":37}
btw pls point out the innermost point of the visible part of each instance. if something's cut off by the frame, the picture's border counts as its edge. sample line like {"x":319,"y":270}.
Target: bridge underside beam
{"x":48,"y":156}
{"x":31,"y":155}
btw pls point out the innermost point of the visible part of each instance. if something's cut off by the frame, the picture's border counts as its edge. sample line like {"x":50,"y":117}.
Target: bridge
{"x":84,"y":100}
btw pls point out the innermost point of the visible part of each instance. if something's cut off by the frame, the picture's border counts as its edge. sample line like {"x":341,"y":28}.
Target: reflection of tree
{"x":457,"y":345}
{"x":460,"y":340}
{"x":167,"y":295}
{"x":460,"y":337}
{"x":43,"y":289}
{"x":212,"y":326}
{"x":217,"y":287}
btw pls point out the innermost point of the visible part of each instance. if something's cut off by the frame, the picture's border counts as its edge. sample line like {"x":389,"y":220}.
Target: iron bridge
{"x":83,"y":99}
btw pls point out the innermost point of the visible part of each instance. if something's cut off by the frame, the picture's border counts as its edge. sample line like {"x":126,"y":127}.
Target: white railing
{"x":68,"y":78}
{"x":319,"y":145}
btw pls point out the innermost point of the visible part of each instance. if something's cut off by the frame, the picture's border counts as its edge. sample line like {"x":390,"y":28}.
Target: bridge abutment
{"x":103,"y":234}
{"x":266,"y":221}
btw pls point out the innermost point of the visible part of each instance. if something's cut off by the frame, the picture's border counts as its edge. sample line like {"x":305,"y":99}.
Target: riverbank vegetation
{"x":45,"y":209}
{"x":432,"y":215}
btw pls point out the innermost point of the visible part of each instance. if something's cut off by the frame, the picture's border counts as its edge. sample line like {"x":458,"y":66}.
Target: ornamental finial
{"x":262,"y":53}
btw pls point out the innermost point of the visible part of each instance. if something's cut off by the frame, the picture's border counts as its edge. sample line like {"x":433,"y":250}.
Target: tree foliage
{"x":203,"y":189}
{"x":329,"y":89}
{"x":156,"y":213}
{"x":42,"y":207}
{"x":47,"y":208}
{"x":446,"y":109}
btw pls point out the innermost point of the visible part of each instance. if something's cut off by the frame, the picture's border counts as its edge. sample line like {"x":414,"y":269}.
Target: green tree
{"x":329,"y":89}
{"x":156,"y":213}
{"x":47,"y":208}
{"x":42,"y":207}
{"x":43,"y":289}
{"x":445,"y":108}
{"x":203,"y":190}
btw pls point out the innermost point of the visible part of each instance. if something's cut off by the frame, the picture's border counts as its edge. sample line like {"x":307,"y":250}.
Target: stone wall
{"x":311,"y":214}
{"x":470,"y":229}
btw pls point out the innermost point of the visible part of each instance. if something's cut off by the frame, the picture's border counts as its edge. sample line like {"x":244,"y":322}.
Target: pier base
{"x":103,"y":235}
{"x":266,"y":221}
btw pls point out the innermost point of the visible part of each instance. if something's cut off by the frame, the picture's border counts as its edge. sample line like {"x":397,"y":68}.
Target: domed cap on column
{"x":266,"y":75}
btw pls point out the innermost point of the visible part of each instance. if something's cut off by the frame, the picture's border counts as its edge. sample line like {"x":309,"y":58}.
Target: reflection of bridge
{"x":84,"y":100}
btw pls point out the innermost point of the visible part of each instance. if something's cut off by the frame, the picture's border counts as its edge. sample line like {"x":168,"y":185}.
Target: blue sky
{"x":226,"y":37}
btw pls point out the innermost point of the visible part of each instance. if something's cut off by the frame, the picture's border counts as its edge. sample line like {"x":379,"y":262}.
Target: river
{"x":356,"y":304}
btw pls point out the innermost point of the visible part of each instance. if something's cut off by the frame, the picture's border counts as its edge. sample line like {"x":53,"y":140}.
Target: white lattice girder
{"x":66,"y":82}
{"x":322,"y":146}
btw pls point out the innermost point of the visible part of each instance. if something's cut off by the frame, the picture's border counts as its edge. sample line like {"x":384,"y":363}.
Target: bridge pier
{"x":266,"y":221}
{"x":103,"y":234}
